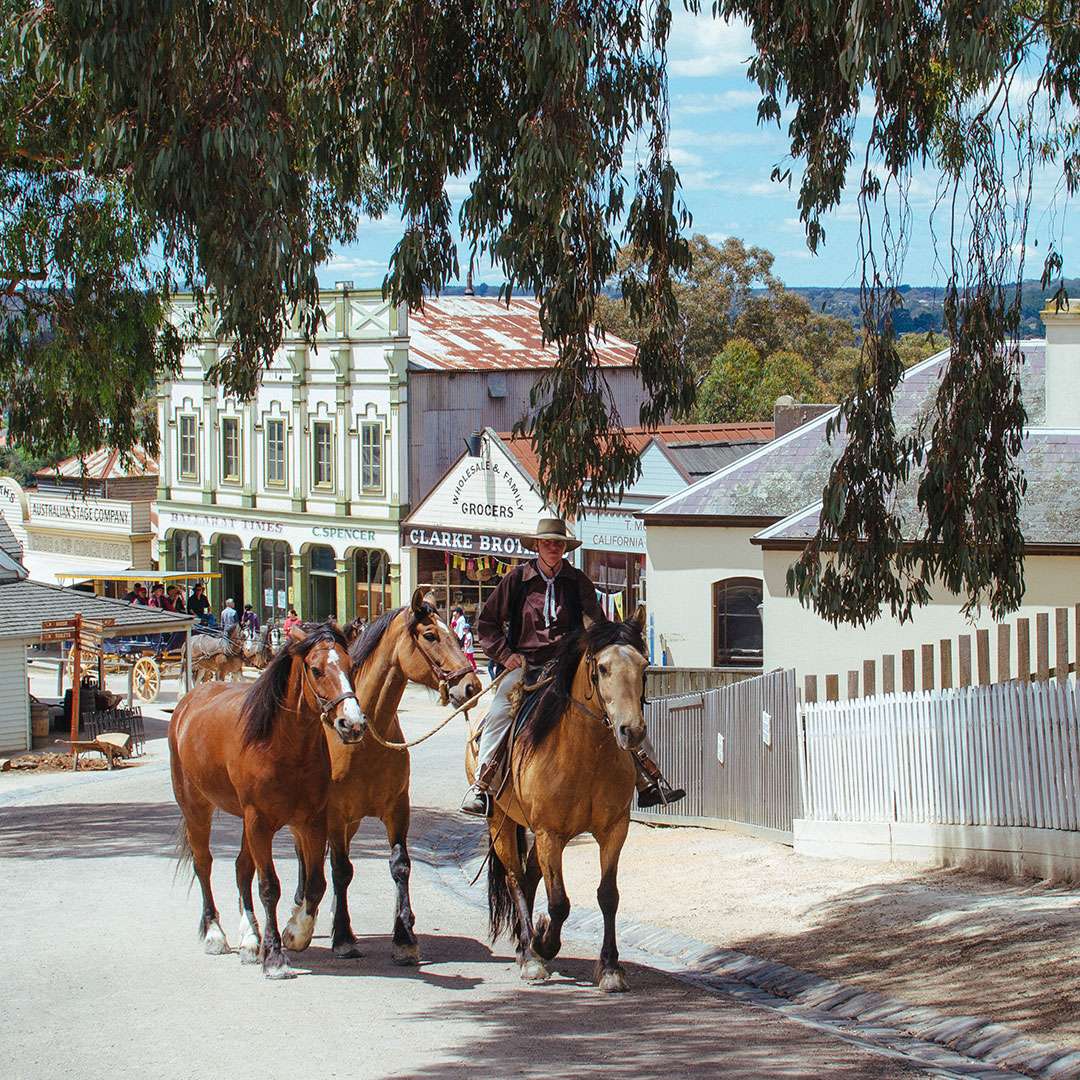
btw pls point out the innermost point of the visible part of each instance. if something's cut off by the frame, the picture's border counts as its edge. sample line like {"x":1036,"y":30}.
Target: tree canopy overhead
{"x":243,"y":141}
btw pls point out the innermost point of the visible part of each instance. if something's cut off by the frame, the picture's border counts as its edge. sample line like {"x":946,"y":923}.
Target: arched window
{"x":274,"y":580}
{"x":323,"y":583}
{"x":737,"y":638}
{"x":186,"y":552}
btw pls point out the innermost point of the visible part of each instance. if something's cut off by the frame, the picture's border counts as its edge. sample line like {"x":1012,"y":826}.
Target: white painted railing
{"x":1006,"y":754}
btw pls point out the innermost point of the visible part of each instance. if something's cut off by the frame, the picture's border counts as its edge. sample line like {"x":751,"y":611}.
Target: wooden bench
{"x":112,"y":745}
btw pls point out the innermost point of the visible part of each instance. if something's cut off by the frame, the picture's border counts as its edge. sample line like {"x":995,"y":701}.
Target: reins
{"x":435,"y":730}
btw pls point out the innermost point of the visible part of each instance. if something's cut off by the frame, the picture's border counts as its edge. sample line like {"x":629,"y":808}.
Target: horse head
{"x":327,"y":679}
{"x":433,"y":655}
{"x":617,"y":672}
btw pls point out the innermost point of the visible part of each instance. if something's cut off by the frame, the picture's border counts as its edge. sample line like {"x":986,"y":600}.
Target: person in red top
{"x":521,"y":627}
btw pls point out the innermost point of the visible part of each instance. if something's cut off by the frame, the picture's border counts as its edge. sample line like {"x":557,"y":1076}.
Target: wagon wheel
{"x":145,"y":679}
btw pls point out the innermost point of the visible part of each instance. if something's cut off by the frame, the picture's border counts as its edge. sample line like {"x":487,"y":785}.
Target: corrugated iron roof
{"x":478,"y":333}
{"x":104,"y":464}
{"x":788,"y":474}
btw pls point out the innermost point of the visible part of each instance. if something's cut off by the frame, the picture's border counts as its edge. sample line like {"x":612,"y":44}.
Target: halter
{"x":594,"y":679}
{"x":326,"y":704}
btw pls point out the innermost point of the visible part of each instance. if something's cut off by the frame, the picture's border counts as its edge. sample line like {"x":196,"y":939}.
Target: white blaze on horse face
{"x":350,"y":707}
{"x":620,"y":673}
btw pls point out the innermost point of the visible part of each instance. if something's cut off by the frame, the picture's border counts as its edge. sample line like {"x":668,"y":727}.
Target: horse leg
{"x":301,"y":876}
{"x":198,"y":814}
{"x":507,"y":850}
{"x":299,"y":930}
{"x":260,"y":840}
{"x":341,"y":870}
{"x":405,"y":948}
{"x":548,"y":939}
{"x":609,"y":974}
{"x":249,"y":925}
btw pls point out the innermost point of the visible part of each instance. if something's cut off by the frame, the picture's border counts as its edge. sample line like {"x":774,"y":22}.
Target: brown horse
{"x":215,"y":655}
{"x":570,"y":772}
{"x":260,"y":753}
{"x":371,"y":780}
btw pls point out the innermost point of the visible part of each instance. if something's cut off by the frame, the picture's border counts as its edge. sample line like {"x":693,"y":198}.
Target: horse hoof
{"x":296,"y":937}
{"x":533,"y":971}
{"x":281,"y":970}
{"x":215,"y":942}
{"x":614,"y":982}
{"x":249,"y":954}
{"x":405,"y":955}
{"x":347,"y":950}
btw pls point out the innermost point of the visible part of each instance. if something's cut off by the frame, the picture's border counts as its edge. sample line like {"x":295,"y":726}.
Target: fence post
{"x":811,"y":689}
{"x":1076,"y":640}
{"x":928,"y":667}
{"x":982,"y":644}
{"x":907,"y":671}
{"x":1023,"y":649}
{"x":832,"y":687}
{"x":1042,"y":645}
{"x":888,"y":673}
{"x":869,"y":678}
{"x":1004,"y":651}
{"x":853,"y":684}
{"x":946,"y":663}
{"x":963,"y":659}
{"x":1061,"y":642}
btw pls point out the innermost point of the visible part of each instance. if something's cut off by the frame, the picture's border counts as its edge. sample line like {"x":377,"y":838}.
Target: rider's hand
{"x":513,"y":662}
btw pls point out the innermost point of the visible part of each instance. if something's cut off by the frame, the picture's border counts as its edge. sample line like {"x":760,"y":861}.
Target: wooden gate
{"x":734,"y":751}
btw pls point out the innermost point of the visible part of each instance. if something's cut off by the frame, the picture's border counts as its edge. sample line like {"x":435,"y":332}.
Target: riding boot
{"x":652,"y":788}
{"x":478,"y":800}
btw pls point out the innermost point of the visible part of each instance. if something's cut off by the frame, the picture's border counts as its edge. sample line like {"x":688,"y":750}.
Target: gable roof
{"x":787,"y":475}
{"x":104,"y":464}
{"x":477,"y":333}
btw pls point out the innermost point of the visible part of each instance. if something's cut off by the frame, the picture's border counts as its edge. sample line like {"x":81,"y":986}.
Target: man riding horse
{"x":521,"y":627}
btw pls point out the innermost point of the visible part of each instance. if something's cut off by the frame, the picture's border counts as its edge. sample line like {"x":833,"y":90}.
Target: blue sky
{"x":725,"y":159}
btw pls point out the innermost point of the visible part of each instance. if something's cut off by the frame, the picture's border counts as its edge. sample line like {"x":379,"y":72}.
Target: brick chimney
{"x":1062,"y":367}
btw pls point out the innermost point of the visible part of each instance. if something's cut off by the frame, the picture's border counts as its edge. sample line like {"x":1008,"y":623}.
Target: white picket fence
{"x":1007,"y":754}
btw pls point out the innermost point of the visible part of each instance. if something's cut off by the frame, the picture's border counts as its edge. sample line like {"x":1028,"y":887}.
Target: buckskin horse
{"x":259,"y":753}
{"x":372,"y":780}
{"x":569,"y":772}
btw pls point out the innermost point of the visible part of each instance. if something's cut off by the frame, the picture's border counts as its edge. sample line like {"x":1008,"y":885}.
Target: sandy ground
{"x":959,"y":942}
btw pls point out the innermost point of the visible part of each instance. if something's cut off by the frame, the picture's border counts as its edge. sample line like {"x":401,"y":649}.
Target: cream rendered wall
{"x":14,"y":698}
{"x":682,"y":563}
{"x":795,"y":637}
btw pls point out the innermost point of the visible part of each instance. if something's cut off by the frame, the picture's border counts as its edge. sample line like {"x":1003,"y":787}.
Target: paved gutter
{"x":969,"y":1047}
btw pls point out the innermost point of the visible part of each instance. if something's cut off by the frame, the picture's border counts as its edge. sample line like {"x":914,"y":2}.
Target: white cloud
{"x":722,"y":101}
{"x":723,"y":140}
{"x":704,"y":47}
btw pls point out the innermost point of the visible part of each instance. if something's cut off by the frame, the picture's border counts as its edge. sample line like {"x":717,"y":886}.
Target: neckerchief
{"x":549,"y":593}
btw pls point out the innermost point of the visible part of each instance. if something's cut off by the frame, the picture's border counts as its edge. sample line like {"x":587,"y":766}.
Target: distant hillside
{"x":922,"y":311}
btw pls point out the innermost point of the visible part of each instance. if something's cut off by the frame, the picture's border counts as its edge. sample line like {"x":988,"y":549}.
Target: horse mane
{"x":266,"y":697}
{"x":363,"y":646}
{"x":555,"y":699}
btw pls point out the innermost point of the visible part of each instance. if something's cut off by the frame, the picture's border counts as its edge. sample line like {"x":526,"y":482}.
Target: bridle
{"x":327,"y":704}
{"x":446,"y":679}
{"x":602,"y":716}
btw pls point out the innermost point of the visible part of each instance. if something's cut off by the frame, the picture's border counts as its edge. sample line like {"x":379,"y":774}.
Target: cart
{"x":146,"y":658}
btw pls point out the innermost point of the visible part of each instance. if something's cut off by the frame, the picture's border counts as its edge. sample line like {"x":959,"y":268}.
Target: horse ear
{"x":418,"y":599}
{"x":638,"y":618}
{"x":297,"y":633}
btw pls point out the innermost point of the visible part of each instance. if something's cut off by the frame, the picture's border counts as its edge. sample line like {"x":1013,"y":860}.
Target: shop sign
{"x":231,"y":524}
{"x":84,"y":546}
{"x":333,"y":532}
{"x":257,"y":527}
{"x":474,"y":543}
{"x":60,"y":510}
{"x":612,"y":532}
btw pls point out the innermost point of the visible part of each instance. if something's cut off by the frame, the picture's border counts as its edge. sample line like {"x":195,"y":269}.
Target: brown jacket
{"x":536,"y":642}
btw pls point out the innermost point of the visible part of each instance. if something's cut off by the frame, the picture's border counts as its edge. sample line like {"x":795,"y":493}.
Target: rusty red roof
{"x":639,"y":438}
{"x":479,"y":333}
{"x":105,"y":464}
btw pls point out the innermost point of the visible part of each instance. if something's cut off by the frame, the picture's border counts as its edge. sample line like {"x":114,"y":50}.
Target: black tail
{"x":502,"y":911}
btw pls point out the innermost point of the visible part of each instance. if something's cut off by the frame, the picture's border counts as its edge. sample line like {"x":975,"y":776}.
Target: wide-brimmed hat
{"x":550,"y":529}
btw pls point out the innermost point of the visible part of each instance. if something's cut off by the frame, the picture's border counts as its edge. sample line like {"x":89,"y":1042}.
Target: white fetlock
{"x":533,"y":970}
{"x":298,"y":931}
{"x":215,"y":942}
{"x":249,"y":940}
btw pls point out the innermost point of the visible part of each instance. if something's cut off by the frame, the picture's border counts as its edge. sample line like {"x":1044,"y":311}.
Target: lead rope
{"x":434,"y":731}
